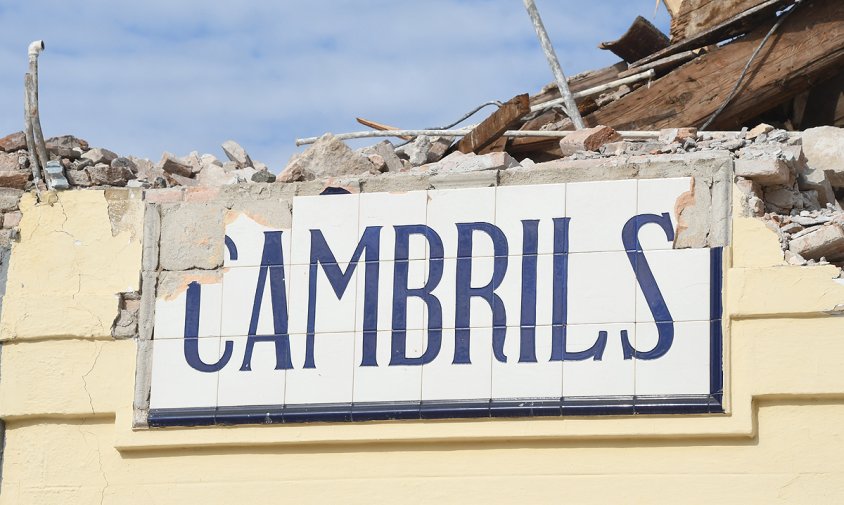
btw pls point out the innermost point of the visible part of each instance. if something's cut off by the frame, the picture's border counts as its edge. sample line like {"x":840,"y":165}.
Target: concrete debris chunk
{"x":172,"y":165}
{"x":760,"y":129}
{"x":99,"y":155}
{"x":9,"y":199}
{"x":824,"y":148}
{"x":13,"y":142}
{"x":458,"y":162}
{"x":387,"y":152}
{"x":54,"y":173}
{"x":424,"y":150}
{"x":12,"y":219}
{"x":377,"y":161}
{"x":328,"y":157}
{"x":765,"y":171}
{"x":9,"y":162}
{"x":681,"y":135}
{"x":107,"y":175}
{"x":216,"y":175}
{"x":78,"y":178}
{"x":126,"y":165}
{"x":589,"y":139}
{"x":263,"y":176}
{"x":816,"y":180}
{"x":237,"y":154}
{"x":827,"y":242}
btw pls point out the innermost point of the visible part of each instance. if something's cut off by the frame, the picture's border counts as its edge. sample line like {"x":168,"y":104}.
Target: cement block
{"x":827,"y":242}
{"x":191,"y":236}
{"x":765,"y":171}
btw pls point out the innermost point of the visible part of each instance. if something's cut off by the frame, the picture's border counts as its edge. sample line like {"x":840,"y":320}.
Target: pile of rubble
{"x":73,"y":163}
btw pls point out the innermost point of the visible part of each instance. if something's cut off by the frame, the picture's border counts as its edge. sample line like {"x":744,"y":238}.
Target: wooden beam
{"x":808,"y":47}
{"x":737,"y":25}
{"x":696,"y":16}
{"x":640,"y":40}
{"x":493,"y":127}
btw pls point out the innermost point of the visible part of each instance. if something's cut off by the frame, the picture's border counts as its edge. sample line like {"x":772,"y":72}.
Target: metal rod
{"x":567,"y":98}
{"x":597,"y":89}
{"x":33,"y":51}
{"x":463,"y":132}
{"x":30,"y":136}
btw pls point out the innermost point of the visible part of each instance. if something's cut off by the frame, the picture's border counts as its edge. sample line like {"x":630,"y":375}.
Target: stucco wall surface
{"x":67,"y":390}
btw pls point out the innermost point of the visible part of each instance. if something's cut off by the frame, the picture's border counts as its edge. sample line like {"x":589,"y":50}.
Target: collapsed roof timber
{"x":756,"y":72}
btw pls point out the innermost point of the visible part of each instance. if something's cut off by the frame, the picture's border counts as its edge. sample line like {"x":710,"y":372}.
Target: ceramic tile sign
{"x":554,"y":299}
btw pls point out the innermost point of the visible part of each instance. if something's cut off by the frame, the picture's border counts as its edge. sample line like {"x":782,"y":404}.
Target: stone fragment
{"x":214,"y":175}
{"x":386,"y":150}
{"x":458,"y":162}
{"x":9,"y":199}
{"x":760,"y":129}
{"x":824,"y":148}
{"x":816,"y":180}
{"x":173,"y":165}
{"x":78,"y":178}
{"x":794,"y":259}
{"x":13,"y":142}
{"x":194,"y":161}
{"x":765,"y":171}
{"x":107,"y":175}
{"x":66,"y":141}
{"x":328,"y":157}
{"x":791,"y":228}
{"x":424,"y":149}
{"x":809,"y":221}
{"x":780,"y":198}
{"x":126,"y":324}
{"x":14,"y":179}
{"x":65,"y":152}
{"x":12,"y":219}
{"x":54,"y":175}
{"x":263,"y":176}
{"x":9,"y":162}
{"x":99,"y":155}
{"x":126,"y":165}
{"x":826,"y":242}
{"x":588,"y":139}
{"x":377,"y":161}
{"x":210,"y":159}
{"x":671,"y":135}
{"x":237,"y":154}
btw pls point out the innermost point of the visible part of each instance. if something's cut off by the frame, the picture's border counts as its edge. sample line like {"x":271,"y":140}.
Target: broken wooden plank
{"x":493,"y":127}
{"x":580,"y":82}
{"x":808,"y":47}
{"x":640,"y":40}
{"x":737,"y":25}
{"x":379,"y":126}
{"x":696,"y":16}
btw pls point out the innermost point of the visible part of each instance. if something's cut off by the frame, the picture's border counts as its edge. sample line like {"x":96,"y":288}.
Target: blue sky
{"x":168,"y":75}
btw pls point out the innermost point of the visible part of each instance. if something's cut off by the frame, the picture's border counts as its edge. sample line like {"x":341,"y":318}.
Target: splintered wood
{"x":493,"y":127}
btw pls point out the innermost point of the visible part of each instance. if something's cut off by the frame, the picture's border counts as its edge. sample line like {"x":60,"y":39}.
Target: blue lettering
{"x":192,"y":307}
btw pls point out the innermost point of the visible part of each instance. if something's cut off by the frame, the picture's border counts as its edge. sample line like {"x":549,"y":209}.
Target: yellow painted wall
{"x":66,"y":393}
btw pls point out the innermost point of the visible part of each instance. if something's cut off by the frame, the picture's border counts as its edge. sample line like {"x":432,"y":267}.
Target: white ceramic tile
{"x":239,"y":289}
{"x":683,"y":370}
{"x":510,"y":289}
{"x":448,"y":207}
{"x":175,"y":384}
{"x":332,"y":379}
{"x":540,"y":379}
{"x":513,"y":204}
{"x":601,"y":288}
{"x":414,"y":318}
{"x":392,"y":209}
{"x":480,"y":312}
{"x":658,"y":196}
{"x":333,"y":315}
{"x":335,"y":215}
{"x":598,"y":212}
{"x":387,"y":382}
{"x":443,"y":380}
{"x":248,"y":238}
{"x":683,"y":279}
{"x":170,"y":308}
{"x":262,"y":385}
{"x":610,"y":376}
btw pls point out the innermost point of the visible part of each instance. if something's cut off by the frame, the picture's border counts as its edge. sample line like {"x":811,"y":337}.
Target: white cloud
{"x":144,"y":77}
